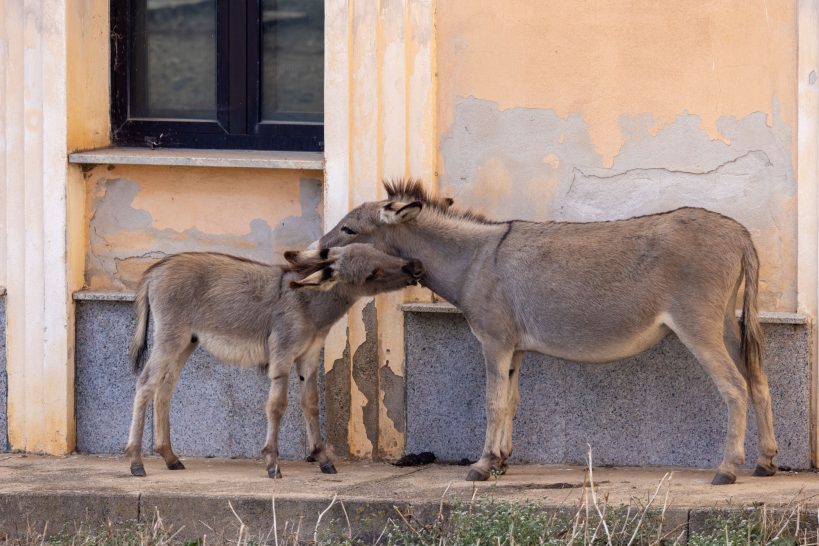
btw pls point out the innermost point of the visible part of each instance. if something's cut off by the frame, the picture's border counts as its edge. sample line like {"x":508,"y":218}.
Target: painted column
{"x":808,"y":188}
{"x":34,"y":186}
{"x":379,"y":124}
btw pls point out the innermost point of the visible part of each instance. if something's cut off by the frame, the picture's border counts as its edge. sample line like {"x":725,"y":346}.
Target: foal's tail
{"x":750,"y":331}
{"x":136,"y":353}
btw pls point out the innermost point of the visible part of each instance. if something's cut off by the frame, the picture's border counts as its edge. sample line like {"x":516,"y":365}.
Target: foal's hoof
{"x":328,"y":469}
{"x":274,"y":472}
{"x":723,"y":478}
{"x":176,"y":465}
{"x":476,"y":475}
{"x":138,"y":470}
{"x":764,"y":470}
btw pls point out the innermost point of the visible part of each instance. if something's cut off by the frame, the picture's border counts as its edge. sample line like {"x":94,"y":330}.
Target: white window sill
{"x":766,"y":317}
{"x":248,"y":159}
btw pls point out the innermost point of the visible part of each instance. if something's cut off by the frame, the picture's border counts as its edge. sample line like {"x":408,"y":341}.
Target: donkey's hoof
{"x":176,"y":465}
{"x":138,"y":470}
{"x":328,"y":469}
{"x":274,"y":472}
{"x":723,"y":478}
{"x":476,"y":475}
{"x":764,"y":470}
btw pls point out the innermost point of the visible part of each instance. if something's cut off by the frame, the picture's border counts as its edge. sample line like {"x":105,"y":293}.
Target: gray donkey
{"x":588,"y":292}
{"x":250,"y":314}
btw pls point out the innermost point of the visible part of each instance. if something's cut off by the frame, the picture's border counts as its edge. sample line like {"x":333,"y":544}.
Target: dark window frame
{"x":238,"y":91}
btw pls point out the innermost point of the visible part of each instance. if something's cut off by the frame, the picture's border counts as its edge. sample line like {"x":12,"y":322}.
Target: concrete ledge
{"x":100,"y":295}
{"x":251,"y":159}
{"x":212,"y":495}
{"x":765,"y":317}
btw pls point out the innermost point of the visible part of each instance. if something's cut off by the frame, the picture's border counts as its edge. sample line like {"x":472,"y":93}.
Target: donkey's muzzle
{"x":414,"y":268}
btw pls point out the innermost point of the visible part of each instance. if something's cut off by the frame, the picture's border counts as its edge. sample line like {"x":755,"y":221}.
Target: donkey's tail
{"x":136,"y":353}
{"x":751,"y":332}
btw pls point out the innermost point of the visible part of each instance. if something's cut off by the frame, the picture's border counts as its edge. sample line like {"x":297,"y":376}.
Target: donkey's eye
{"x":348,"y":231}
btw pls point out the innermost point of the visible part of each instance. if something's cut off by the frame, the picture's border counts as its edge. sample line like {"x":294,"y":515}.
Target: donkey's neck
{"x":448,"y":247}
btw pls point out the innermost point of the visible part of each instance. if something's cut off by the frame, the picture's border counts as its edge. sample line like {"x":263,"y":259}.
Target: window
{"x":218,"y":73}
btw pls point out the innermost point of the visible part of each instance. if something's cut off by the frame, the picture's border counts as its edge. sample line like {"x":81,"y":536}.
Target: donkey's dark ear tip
{"x":291,"y":255}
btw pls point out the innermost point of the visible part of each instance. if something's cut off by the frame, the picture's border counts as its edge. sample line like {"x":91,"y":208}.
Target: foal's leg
{"x":512,"y":409}
{"x":307,"y":366}
{"x":498,"y":362}
{"x":761,"y":399}
{"x":145,"y":387}
{"x":712,"y":354}
{"x":162,"y":410}
{"x":279,"y":372}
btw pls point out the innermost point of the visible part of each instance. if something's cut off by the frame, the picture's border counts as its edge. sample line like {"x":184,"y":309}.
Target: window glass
{"x":174,"y":59}
{"x":292,"y":59}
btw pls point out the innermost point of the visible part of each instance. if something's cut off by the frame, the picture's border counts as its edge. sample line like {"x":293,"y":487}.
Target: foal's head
{"x":359,"y":267}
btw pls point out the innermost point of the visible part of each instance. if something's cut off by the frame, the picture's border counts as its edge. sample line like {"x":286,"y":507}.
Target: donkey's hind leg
{"x":708,"y":346}
{"x":760,"y":397}
{"x":145,"y":388}
{"x":162,"y":407}
{"x":279,"y":372}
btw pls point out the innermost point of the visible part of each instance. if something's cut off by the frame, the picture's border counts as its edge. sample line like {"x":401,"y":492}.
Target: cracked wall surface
{"x":137,"y":215}
{"x":657,"y":108}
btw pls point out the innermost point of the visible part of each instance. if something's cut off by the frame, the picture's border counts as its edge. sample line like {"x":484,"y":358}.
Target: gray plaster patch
{"x":113,"y":214}
{"x":365,"y":372}
{"x":658,"y":408}
{"x":533,"y":164}
{"x":4,"y":430}
{"x":216,"y":410}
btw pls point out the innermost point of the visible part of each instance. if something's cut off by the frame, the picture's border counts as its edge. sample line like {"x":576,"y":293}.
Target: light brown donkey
{"x":589,"y":292}
{"x":249,"y":314}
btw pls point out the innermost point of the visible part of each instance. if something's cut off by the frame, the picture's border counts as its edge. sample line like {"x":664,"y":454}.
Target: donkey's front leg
{"x":498,"y":361}
{"x":512,"y":408}
{"x":279,"y":372}
{"x":307,"y":366}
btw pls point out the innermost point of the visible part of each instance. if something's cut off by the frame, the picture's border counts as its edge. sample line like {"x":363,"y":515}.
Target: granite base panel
{"x":216,"y":410}
{"x":4,"y":386}
{"x":657,"y":408}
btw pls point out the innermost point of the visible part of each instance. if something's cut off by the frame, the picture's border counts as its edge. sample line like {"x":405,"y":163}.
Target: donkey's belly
{"x":232,"y":350}
{"x":598,"y":349}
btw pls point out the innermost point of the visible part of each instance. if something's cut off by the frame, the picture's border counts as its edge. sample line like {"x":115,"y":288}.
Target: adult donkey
{"x":589,"y":292}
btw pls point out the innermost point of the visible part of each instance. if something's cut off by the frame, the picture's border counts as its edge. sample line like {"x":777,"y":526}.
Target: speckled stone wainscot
{"x":657,"y":408}
{"x":4,"y":386}
{"x":216,"y":410}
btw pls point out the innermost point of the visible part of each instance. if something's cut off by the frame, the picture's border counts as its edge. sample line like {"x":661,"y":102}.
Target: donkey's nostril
{"x":414,"y":268}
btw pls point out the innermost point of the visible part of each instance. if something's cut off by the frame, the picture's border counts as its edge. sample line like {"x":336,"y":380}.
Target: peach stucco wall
{"x":583,"y":110}
{"x":138,"y":214}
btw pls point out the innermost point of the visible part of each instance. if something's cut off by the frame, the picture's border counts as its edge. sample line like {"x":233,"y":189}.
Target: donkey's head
{"x":368,"y":223}
{"x":358,"y":267}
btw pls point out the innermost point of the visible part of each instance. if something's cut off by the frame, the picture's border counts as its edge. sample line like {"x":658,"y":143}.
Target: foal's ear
{"x":323,"y":279}
{"x":396,"y":212}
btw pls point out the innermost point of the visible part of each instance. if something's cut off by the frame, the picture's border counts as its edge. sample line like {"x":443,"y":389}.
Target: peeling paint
{"x":365,"y":374}
{"x":392,"y":387}
{"x":124,"y":238}
{"x":533,"y":164}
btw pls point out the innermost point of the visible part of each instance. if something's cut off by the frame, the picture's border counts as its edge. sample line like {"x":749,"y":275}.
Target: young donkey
{"x":250,"y":314}
{"x":589,"y":292}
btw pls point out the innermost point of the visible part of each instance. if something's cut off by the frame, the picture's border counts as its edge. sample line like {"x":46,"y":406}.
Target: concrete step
{"x":212,"y":496}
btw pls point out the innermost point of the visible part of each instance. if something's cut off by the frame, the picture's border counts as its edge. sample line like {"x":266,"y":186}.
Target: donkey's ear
{"x":306,"y":257}
{"x":323,"y":279}
{"x":396,"y":212}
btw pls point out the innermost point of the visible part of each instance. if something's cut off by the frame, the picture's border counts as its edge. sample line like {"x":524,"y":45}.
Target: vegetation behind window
{"x":218,"y":73}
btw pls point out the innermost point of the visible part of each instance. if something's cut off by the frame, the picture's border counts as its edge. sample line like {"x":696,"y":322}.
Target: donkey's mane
{"x":413,"y":190}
